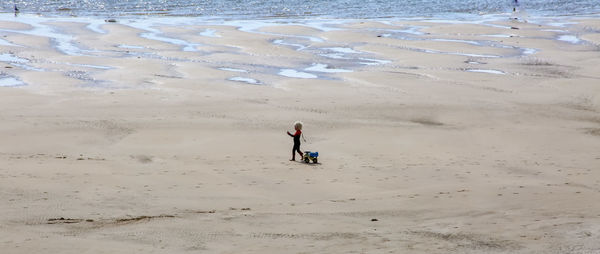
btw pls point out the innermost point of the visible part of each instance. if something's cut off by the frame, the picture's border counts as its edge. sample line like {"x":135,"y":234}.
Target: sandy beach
{"x":168,"y":135}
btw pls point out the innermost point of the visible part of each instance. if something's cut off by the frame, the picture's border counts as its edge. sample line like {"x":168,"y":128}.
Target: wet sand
{"x":168,"y":135}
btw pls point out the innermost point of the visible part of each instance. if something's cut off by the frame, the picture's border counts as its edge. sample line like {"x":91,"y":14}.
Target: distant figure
{"x":16,"y":10}
{"x":296,"y":136}
{"x":515,"y":5}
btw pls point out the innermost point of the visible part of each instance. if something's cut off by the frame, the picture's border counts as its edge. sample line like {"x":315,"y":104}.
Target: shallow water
{"x":245,"y":80}
{"x":487,"y":71}
{"x":231,"y":9}
{"x":10,"y":82}
{"x":325,"y":68}
{"x":569,"y":38}
{"x":325,"y":57}
{"x":296,"y":74}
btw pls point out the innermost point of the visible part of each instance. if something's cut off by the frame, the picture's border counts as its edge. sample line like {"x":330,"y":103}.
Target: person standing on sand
{"x":296,"y":136}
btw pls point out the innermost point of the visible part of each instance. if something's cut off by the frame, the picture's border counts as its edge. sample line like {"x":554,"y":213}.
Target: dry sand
{"x":459,"y":138}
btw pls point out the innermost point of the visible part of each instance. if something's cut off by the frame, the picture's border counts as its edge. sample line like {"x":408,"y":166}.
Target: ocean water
{"x":264,"y":9}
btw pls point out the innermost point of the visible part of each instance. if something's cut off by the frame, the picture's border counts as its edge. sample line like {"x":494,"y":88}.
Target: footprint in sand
{"x":144,"y":159}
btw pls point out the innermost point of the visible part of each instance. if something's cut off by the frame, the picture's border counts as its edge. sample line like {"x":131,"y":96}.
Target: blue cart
{"x":310,"y":156}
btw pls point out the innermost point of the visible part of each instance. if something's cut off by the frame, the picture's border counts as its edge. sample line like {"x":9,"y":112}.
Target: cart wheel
{"x":306,"y":160}
{"x":315,"y":160}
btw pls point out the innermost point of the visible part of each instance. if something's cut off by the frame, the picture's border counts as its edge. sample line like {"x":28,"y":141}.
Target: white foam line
{"x":155,"y":34}
{"x":562,"y":24}
{"x":296,"y":74}
{"x":413,"y":30}
{"x":456,"y":53}
{"x":245,"y":80}
{"x":125,"y":46}
{"x":461,"y":41}
{"x":323,"y":68}
{"x":502,"y":46}
{"x":248,"y":26}
{"x":95,"y":26}
{"x":63,"y":41}
{"x":187,"y":46}
{"x":233,"y":70}
{"x":69,"y":48}
{"x":343,"y":50}
{"x":487,"y":71}
{"x":6,"y":43}
{"x":453,"y":22}
{"x":253,"y":27}
{"x":310,"y":38}
{"x":334,"y":56}
{"x":496,"y":26}
{"x":498,"y":35}
{"x":91,"y":66}
{"x":10,"y":82}
{"x":370,"y":61}
{"x":299,"y":47}
{"x":529,"y":51}
{"x":322,"y":25}
{"x":12,"y":59}
{"x":554,"y":30}
{"x":210,"y":33}
{"x":569,"y":38}
{"x":471,"y":55}
{"x":27,"y":67}
{"x":18,"y":62}
{"x":483,"y":22}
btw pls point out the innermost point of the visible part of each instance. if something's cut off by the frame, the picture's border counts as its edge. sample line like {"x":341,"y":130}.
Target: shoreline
{"x":415,"y":35}
{"x":289,"y":14}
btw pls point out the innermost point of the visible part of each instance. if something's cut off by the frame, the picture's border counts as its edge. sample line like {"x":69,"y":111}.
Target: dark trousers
{"x":295,"y":149}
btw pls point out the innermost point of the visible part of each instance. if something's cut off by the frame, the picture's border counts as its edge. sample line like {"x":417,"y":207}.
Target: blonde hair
{"x":298,"y":125}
